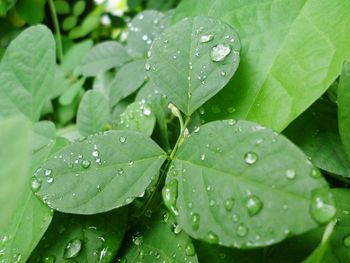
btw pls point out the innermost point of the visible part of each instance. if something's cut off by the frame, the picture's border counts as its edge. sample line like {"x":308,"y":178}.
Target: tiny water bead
{"x":48,"y":172}
{"x":85,"y":164}
{"x":232,"y":122}
{"x":254,"y":205}
{"x":220,"y":52}
{"x":322,"y":208}
{"x":36,"y":184}
{"x":202,"y":157}
{"x":346,"y":241}
{"x":195,"y":220}
{"x":315,"y":173}
{"x":49,"y":259}
{"x":169,"y":194}
{"x":147,"y":67}
{"x":120,"y":171}
{"x":176,"y":228}
{"x":50,"y":180}
{"x":250,"y":157}
{"x":229,"y":203}
{"x":147,"y":110}
{"x":241,"y":230}
{"x":72,"y":249}
{"x":189,"y":249}
{"x":206,"y":38}
{"x":122,"y":139}
{"x":212,"y":238}
{"x":95,"y":153}
{"x":290,"y":174}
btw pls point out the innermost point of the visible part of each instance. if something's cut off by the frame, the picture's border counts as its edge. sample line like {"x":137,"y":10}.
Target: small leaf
{"x":100,"y":173}
{"x":142,"y":30}
{"x":191,"y":70}
{"x":82,"y":238}
{"x":316,"y":133}
{"x":32,"y":11}
{"x":29,"y":65}
{"x":103,"y":57}
{"x":138,"y":116}
{"x":93,"y":113}
{"x":129,"y":78}
{"x":160,"y":239}
{"x":235,"y":188}
{"x":344,"y":107}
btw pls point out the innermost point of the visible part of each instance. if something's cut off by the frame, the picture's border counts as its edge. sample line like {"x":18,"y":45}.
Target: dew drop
{"x":50,"y":180}
{"x":232,"y":122}
{"x":315,"y":173}
{"x":235,"y":218}
{"x":147,"y":67}
{"x":223,"y":73}
{"x":144,"y":37}
{"x":346,"y":241}
{"x":36,"y":184}
{"x":176,"y":228}
{"x":220,"y":52}
{"x":165,"y":217}
{"x":322,"y":208}
{"x":72,"y":249}
{"x":169,"y":194}
{"x":202,"y":157}
{"x":241,"y":230}
{"x":254,"y":205}
{"x":229,"y":204}
{"x":48,"y":172}
{"x":290,"y":174}
{"x":49,"y":259}
{"x":195,"y":220}
{"x":122,"y":139}
{"x":189,"y":249}
{"x":131,"y":162}
{"x":137,"y":240}
{"x":95,"y":153}
{"x":147,"y":111}
{"x":250,"y":157}
{"x":212,"y":238}
{"x":206,"y":38}
{"x":120,"y":171}
{"x":85,"y":164}
{"x":166,"y":41}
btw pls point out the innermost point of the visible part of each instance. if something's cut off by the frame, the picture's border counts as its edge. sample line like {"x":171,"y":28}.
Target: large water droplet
{"x":229,"y":204}
{"x":322,"y":208}
{"x":169,"y":194}
{"x":206,"y":38}
{"x":85,"y":164}
{"x":195,"y":220}
{"x":250,"y":157}
{"x":346,"y":241}
{"x":36,"y":184}
{"x":241,"y":230}
{"x":72,"y":249}
{"x":254,"y":205}
{"x":220,"y":52}
{"x":189,"y":249}
{"x":290,"y":174}
{"x":212,"y":238}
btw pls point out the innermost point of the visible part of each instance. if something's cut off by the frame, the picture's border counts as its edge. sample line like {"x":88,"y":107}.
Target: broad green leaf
{"x":24,"y":218}
{"x":99,"y":174}
{"x":79,"y":8}
{"x":70,"y":94}
{"x":62,"y":7}
{"x":102,"y":83}
{"x":242,"y":185}
{"x":192,"y":68}
{"x":138,"y":116}
{"x":316,"y":133}
{"x":73,"y":58}
{"x":160,"y":239}
{"x":60,"y":83}
{"x":128,"y":79}
{"x":89,"y":24}
{"x":292,"y":52}
{"x":93,"y":113}
{"x":344,"y":107}
{"x":29,"y":64}
{"x":142,"y":30}
{"x":44,"y":133}
{"x":104,"y":56}
{"x":98,"y":236}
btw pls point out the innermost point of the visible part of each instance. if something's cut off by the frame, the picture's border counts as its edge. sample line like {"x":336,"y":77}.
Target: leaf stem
{"x":57,"y":29}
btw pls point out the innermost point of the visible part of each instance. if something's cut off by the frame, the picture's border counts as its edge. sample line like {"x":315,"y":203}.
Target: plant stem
{"x":57,"y":29}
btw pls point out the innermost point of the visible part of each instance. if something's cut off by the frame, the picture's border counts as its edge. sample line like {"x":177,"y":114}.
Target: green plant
{"x":208,"y":136}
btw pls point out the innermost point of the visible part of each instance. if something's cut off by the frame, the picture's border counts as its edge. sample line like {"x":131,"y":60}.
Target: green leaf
{"x":60,"y":83}
{"x":99,"y":238}
{"x":138,"y":116}
{"x":188,"y":68}
{"x":102,"y":83}
{"x":160,"y":239}
{"x":316,"y":133}
{"x":242,"y":185}
{"x":99,"y":174}
{"x":104,"y":56}
{"x":74,"y":57}
{"x":69,"y":95}
{"x":69,"y":22}
{"x":24,"y":218}
{"x":143,"y":29}
{"x":289,"y":48}
{"x":6,"y":6}
{"x":93,"y":113}
{"x":62,"y":7}
{"x":88,"y":25}
{"x":129,"y":78}
{"x":27,"y":72}
{"x":344,"y":107}
{"x":79,"y":8}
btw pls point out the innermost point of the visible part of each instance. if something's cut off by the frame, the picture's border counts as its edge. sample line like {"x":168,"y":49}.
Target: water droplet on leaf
{"x":290,"y":174}
{"x":254,"y":205}
{"x":169,"y":194}
{"x":322,"y":208}
{"x":229,"y":204}
{"x":85,"y":164}
{"x":250,"y":157}
{"x":36,"y":184}
{"x":195,"y":220}
{"x":220,"y":52}
{"x":206,"y":38}
{"x":241,"y":230}
{"x":72,"y":249}
{"x":189,"y":249}
{"x":212,"y":238}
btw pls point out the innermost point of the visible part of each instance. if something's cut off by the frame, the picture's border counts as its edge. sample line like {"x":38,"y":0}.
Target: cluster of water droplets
{"x":134,"y":114}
